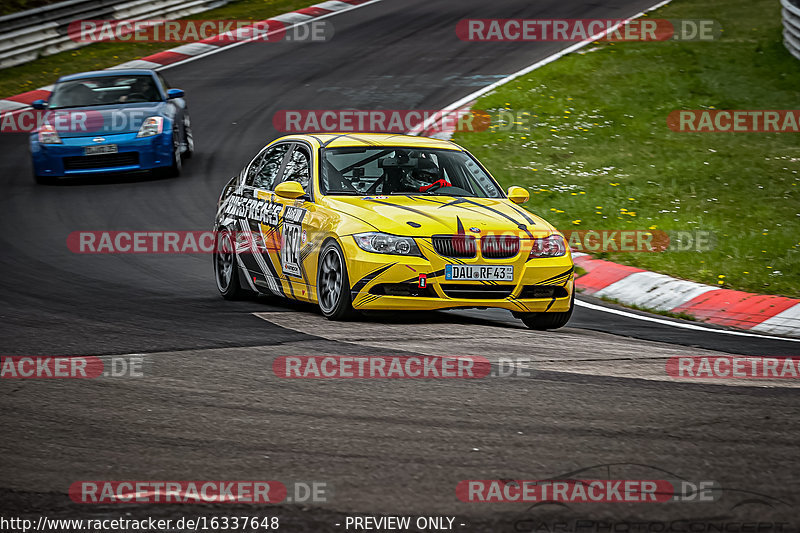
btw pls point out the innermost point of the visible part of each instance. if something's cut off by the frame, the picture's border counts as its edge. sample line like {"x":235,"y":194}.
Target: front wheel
{"x":543,"y":321}
{"x":333,"y":285}
{"x":226,"y":270}
{"x":176,"y":161}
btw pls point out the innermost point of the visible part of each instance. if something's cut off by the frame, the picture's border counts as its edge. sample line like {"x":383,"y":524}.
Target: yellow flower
{"x":720,"y":282}
{"x":598,"y":212}
{"x":576,"y":222}
{"x":653,"y":227}
{"x":573,"y":194}
{"x":583,"y":192}
{"x":632,"y":199}
{"x":721,"y":276}
{"x":745,"y":272}
{"x":613,"y":184}
{"x":598,"y":207}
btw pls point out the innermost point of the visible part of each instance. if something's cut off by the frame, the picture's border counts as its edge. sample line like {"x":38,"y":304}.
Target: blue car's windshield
{"x":104,"y":90}
{"x":396,"y":170}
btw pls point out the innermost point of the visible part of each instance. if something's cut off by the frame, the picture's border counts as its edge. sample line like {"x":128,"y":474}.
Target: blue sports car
{"x":111,"y":121}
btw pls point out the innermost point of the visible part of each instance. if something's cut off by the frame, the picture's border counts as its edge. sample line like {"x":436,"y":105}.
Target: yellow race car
{"x":359,"y":222}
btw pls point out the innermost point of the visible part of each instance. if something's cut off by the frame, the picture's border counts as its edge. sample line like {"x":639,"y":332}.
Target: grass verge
{"x":47,"y":69}
{"x":599,"y":154}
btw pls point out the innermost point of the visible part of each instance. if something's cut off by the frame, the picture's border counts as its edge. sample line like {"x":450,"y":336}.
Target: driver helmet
{"x":424,"y":174}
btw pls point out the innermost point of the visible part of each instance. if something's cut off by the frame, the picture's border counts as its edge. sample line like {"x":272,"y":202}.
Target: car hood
{"x":103,"y":120}
{"x":424,"y":215}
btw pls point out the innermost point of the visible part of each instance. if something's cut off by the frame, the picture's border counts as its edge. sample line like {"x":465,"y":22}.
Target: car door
{"x":260,"y":225}
{"x":299,"y":225}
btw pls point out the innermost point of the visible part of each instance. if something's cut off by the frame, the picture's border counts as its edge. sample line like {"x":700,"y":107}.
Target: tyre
{"x":226,"y":270}
{"x":174,"y":170}
{"x":333,"y":284}
{"x":543,"y":321}
{"x":188,"y":138}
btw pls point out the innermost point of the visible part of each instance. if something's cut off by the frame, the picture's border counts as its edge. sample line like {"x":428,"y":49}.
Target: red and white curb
{"x":192,"y":51}
{"x":634,"y":286}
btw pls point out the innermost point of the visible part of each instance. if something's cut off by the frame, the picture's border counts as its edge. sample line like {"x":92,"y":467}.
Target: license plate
{"x":479,"y":273}
{"x":102,"y":149}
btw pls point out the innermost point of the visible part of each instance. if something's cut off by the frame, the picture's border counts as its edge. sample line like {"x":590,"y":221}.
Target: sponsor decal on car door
{"x":291,"y":242}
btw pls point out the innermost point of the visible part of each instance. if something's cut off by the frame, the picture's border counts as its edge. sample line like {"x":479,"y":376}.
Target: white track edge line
{"x":234,"y":45}
{"x":684,"y":325}
{"x":530,"y":68}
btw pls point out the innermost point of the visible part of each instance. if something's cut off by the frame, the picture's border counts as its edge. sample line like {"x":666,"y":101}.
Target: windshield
{"x":393,"y":170}
{"x":104,"y":90}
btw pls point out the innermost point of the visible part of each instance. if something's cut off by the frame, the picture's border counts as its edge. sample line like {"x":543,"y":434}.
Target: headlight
{"x":383,"y":243}
{"x":551,"y":246}
{"x":151,"y":126}
{"x":49,"y":135}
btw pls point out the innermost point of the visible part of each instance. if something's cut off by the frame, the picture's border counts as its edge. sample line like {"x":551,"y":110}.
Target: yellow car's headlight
{"x":551,"y":246}
{"x":383,"y":243}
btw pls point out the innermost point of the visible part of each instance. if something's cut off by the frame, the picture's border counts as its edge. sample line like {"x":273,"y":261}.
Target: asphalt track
{"x":209,"y":406}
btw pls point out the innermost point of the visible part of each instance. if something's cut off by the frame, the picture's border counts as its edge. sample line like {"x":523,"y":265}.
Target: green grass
{"x":599,"y":154}
{"x":47,"y":69}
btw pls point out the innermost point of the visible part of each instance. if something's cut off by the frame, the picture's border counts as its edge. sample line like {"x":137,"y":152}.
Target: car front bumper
{"x":133,"y":153}
{"x":388,"y":282}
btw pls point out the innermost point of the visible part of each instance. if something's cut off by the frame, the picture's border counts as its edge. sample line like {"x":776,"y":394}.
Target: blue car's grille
{"x":85,"y":162}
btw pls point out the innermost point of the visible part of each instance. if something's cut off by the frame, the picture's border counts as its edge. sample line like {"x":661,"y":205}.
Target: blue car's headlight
{"x":48,"y":135}
{"x":383,"y":243}
{"x":151,"y":126}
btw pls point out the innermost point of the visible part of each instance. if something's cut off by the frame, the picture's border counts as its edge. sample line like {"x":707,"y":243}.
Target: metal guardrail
{"x":791,"y":26}
{"x":27,"y":35}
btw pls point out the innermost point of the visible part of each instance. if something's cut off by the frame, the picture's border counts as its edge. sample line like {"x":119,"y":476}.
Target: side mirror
{"x":518,"y":195}
{"x":289,"y":189}
{"x":39,"y":104}
{"x":174,"y":93}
